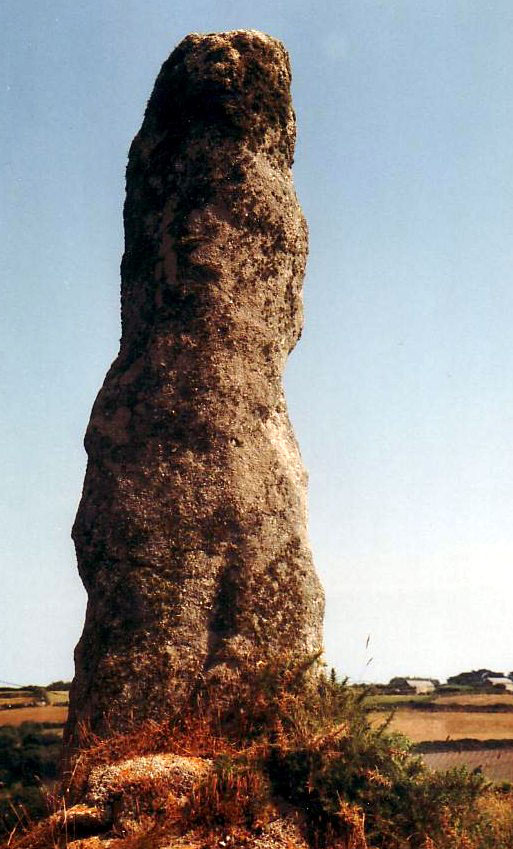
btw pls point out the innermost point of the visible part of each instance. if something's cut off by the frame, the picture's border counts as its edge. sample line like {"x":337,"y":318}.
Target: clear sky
{"x":401,"y":390}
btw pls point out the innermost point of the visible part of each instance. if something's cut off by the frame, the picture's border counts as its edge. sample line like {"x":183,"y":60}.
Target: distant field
{"x":463,"y":698}
{"x":58,"y":696}
{"x":477,"y":699}
{"x":420,"y":726}
{"x":390,"y":700}
{"x":33,"y":714}
{"x":496,"y":764}
{"x":13,"y":697}
{"x":10,"y":698}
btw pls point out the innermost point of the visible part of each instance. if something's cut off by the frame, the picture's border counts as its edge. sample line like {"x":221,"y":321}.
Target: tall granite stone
{"x":191,"y":533}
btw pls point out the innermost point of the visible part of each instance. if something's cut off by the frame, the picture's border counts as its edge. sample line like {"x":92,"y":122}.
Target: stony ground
{"x":145,"y":803}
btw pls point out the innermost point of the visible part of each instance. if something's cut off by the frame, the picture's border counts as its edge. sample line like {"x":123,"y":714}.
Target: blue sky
{"x":401,"y":388}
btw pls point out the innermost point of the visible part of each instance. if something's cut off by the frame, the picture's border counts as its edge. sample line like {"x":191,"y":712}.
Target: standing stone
{"x":191,"y":533}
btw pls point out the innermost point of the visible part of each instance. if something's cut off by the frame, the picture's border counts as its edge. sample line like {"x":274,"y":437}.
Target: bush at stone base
{"x":303,"y":741}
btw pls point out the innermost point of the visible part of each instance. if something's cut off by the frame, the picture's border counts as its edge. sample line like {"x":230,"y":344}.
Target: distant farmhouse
{"x":478,"y":679}
{"x":482,"y":678}
{"x":413,"y":686}
{"x":502,"y":682}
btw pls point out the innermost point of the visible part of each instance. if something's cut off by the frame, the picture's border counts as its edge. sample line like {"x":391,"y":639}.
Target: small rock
{"x":145,"y":776}
{"x":90,"y":843}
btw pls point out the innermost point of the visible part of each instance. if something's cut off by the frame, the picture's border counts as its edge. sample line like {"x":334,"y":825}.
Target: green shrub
{"x":325,"y":757}
{"x":28,"y":759}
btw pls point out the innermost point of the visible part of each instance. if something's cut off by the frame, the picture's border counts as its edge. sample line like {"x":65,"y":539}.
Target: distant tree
{"x":59,"y":685}
{"x":38,"y":692}
{"x":475,"y":678}
{"x":398,"y":682}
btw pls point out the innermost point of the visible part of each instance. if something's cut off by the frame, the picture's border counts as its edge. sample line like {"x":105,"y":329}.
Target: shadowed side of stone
{"x":191,"y":532}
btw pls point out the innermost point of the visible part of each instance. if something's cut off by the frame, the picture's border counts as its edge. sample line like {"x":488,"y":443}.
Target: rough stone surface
{"x":172,"y":772}
{"x":191,"y":532}
{"x":127,"y":790}
{"x":282,"y":832}
{"x":134,"y":797}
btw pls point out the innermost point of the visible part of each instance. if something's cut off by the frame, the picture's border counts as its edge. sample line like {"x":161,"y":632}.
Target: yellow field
{"x":477,"y":699}
{"x":16,"y":696}
{"x":23,"y":697}
{"x":58,"y":696}
{"x":33,"y":714}
{"x":420,"y":725}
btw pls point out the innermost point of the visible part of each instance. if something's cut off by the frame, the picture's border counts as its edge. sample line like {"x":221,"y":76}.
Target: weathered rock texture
{"x":160,"y":801}
{"x":191,"y":533}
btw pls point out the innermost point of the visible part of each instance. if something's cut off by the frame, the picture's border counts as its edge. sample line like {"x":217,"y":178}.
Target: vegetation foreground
{"x":292,"y":749}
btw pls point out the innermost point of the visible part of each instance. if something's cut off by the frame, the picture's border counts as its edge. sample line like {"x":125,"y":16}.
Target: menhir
{"x":191,"y":533}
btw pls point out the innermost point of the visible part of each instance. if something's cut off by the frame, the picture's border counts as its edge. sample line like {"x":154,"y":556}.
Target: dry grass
{"x":420,"y":726}
{"x":498,"y":808}
{"x":496,"y":764}
{"x":16,"y":697}
{"x":195,"y":737}
{"x":33,"y":714}
{"x":477,"y":699}
{"x":60,"y":697}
